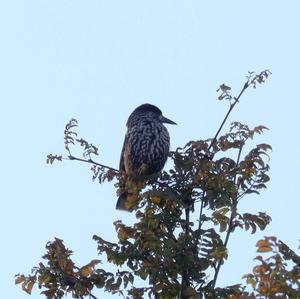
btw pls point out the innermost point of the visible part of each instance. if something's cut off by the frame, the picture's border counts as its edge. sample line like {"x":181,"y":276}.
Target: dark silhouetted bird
{"x":145,"y":149}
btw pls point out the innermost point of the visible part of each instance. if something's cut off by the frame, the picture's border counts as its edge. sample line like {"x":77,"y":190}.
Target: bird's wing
{"x":122,"y":165}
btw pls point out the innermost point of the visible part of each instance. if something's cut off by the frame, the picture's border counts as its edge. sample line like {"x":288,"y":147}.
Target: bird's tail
{"x":127,"y":201}
{"x":129,"y":194}
{"x":121,"y":203}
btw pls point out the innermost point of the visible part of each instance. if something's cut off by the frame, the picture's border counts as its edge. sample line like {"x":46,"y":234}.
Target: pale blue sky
{"x":96,"y":61}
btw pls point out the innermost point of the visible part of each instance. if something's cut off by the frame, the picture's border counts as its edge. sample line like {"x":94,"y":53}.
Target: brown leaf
{"x":87,"y":270}
{"x":263,"y":246}
{"x":27,"y":287}
{"x":19,"y":279}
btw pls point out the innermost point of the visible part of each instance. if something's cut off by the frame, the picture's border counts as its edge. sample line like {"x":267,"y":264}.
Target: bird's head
{"x":148,"y":111}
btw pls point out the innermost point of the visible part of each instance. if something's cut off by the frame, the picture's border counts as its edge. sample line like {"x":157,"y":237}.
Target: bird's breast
{"x":147,"y":144}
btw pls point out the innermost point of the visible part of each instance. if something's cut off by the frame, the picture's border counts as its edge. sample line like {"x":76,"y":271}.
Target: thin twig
{"x":121,"y":293}
{"x":200,"y":215}
{"x":200,"y":222}
{"x":235,"y":200}
{"x":70,"y":157}
{"x":236,"y":99}
{"x":238,"y":161}
{"x":91,"y":295}
{"x":185,"y":282}
{"x":232,"y":216}
{"x":245,"y":192}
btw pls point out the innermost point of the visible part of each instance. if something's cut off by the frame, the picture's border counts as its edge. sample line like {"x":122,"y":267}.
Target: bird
{"x":145,"y":149}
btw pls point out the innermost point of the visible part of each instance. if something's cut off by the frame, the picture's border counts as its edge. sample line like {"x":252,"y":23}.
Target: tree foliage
{"x":184,"y":219}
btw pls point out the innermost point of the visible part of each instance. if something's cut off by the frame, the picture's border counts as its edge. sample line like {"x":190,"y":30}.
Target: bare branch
{"x":92,"y":296}
{"x":92,"y":162}
{"x":251,"y":80}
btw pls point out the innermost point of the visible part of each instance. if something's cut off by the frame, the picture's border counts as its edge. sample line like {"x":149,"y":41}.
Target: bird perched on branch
{"x":145,"y":150}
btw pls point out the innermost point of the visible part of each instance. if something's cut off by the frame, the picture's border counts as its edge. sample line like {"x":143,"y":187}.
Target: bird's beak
{"x":167,"y":121}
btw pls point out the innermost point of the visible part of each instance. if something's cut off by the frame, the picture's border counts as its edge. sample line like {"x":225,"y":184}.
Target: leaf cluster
{"x":165,"y":247}
{"x":59,"y":275}
{"x":278,"y":274}
{"x":184,"y":219}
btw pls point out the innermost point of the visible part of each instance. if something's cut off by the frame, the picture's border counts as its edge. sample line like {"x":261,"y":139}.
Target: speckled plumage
{"x":146,"y":145}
